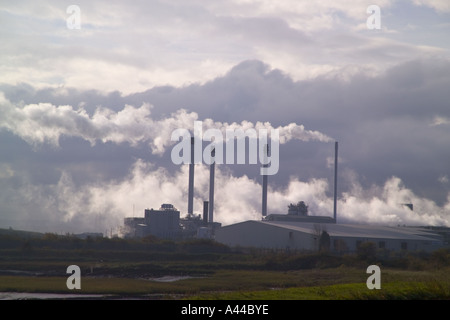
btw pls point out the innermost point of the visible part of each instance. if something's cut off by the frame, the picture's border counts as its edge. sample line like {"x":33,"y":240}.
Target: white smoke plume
{"x":102,"y":206}
{"x":239,"y":198}
{"x":287,"y":133}
{"x":46,"y":123}
{"x":386,"y":205}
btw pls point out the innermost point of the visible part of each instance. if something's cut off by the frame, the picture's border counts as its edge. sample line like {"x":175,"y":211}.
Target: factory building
{"x":296,"y":230}
{"x":134,"y":227}
{"x":313,"y":236}
{"x":163,"y":223}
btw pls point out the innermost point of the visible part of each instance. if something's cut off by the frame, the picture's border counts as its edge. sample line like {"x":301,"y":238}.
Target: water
{"x":47,"y":296}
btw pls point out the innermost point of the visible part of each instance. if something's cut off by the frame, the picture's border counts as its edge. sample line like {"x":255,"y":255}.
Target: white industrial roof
{"x":355,"y":230}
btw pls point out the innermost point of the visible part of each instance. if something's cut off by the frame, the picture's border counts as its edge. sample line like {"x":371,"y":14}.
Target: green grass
{"x":336,"y":284}
{"x":221,"y":280}
{"x":125,"y":268}
{"x":350,"y":291}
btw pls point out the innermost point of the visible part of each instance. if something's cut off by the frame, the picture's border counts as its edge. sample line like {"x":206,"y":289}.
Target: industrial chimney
{"x":191,"y":181}
{"x":211,"y":186}
{"x":205,"y":212}
{"x":335,"y":181}
{"x":264,"y":185}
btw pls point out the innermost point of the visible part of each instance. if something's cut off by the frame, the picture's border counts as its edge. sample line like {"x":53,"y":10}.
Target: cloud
{"x":443,"y":179}
{"x":45,"y":123}
{"x":133,"y":47}
{"x":287,"y":133}
{"x":385,"y":206}
{"x":439,"y":120}
{"x":86,"y":143}
{"x":103,"y":205}
{"x":6,"y":171}
{"x":438,"y":5}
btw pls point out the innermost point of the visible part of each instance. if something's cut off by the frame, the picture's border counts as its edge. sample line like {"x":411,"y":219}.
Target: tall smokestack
{"x":264,"y":186}
{"x":335,"y":181}
{"x":211,"y":186}
{"x":205,"y":212}
{"x":191,"y":181}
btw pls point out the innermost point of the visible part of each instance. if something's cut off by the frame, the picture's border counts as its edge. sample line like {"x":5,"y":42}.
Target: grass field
{"x":211,"y":271}
{"x":334,"y":283}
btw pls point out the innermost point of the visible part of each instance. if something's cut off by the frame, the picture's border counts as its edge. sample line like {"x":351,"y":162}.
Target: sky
{"x":91,"y":91}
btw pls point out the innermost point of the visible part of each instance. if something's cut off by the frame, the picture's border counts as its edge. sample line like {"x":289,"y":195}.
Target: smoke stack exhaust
{"x":191,"y":181}
{"x":264,"y":185}
{"x":335,"y":181}
{"x":211,"y":186}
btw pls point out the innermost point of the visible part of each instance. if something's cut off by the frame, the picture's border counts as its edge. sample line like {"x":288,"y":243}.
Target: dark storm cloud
{"x":385,"y":125}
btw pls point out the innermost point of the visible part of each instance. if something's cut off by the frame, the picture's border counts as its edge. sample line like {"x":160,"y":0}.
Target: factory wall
{"x":163,"y":224}
{"x":258,"y":235}
{"x":350,"y":244}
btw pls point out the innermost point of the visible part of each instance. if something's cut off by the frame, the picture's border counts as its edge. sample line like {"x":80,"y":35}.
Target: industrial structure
{"x":296,"y":230}
{"x":312,"y":236}
{"x":166,"y":222}
{"x":162,"y":223}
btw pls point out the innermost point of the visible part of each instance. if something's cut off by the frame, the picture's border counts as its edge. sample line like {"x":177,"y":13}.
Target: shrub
{"x":440,"y":258}
{"x":367,"y":251}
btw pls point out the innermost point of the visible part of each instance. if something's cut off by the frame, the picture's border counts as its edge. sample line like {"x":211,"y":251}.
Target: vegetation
{"x":209,"y":270}
{"x":350,"y":291}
